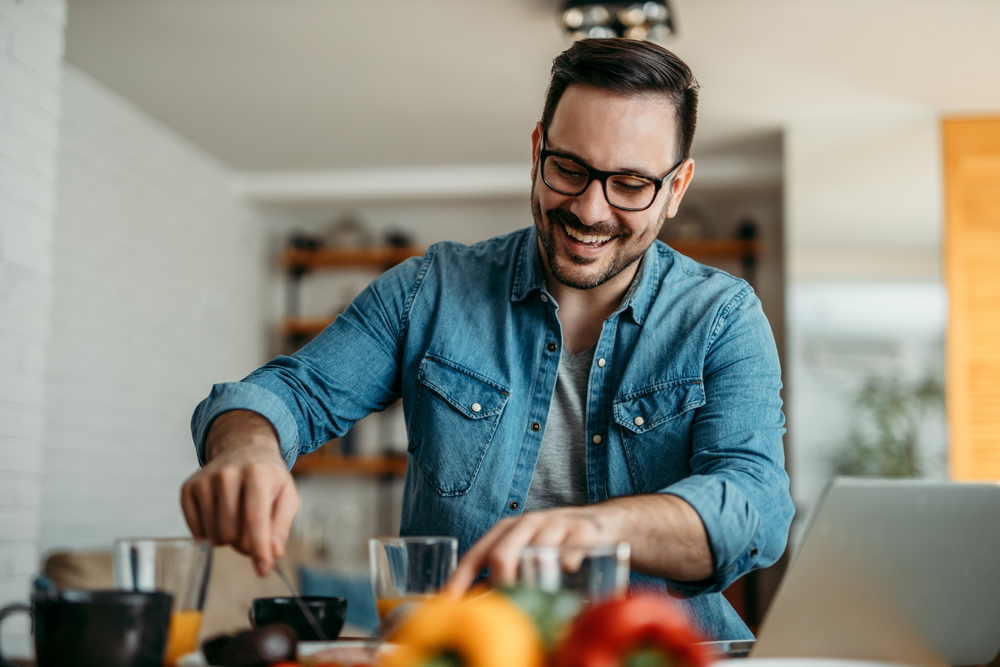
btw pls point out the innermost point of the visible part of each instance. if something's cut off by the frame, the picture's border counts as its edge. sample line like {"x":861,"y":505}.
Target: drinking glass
{"x":594,"y":573}
{"x":407,"y":570}
{"x":179,"y":566}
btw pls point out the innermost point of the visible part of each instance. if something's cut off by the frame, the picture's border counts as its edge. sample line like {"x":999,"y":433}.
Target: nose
{"x":591,"y":206}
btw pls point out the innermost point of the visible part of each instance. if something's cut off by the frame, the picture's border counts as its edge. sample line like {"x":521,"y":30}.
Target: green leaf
{"x":648,"y":657}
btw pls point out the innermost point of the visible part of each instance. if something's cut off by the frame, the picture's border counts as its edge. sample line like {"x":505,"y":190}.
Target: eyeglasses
{"x":628,"y":192}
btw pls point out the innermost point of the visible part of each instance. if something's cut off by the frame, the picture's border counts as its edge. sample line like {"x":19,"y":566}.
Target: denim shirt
{"x":683,"y":393}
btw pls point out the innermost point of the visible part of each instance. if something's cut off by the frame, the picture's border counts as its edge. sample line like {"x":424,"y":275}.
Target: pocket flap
{"x":470,"y":393}
{"x":650,"y":407}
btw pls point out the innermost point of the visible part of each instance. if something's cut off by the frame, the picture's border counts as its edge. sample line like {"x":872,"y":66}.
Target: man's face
{"x":586,"y":241}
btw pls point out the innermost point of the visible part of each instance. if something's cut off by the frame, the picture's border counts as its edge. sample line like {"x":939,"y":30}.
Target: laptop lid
{"x":904,"y":571}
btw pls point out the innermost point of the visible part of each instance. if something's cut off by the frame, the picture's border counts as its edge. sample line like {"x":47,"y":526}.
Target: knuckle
{"x":258,"y":470}
{"x":225,"y":478}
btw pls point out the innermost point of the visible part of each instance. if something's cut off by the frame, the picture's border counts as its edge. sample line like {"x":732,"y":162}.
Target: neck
{"x":582,"y":312}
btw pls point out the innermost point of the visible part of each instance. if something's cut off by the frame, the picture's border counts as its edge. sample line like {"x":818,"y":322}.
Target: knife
{"x":279,"y":568}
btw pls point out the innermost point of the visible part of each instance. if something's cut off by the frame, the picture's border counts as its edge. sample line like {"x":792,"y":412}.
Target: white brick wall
{"x":31,"y":47}
{"x":156,"y":292}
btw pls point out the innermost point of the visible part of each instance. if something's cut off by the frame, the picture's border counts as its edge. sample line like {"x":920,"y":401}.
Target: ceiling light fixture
{"x":652,"y":21}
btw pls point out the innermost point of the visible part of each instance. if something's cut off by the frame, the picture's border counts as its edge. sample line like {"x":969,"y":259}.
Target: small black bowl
{"x":330,"y":613}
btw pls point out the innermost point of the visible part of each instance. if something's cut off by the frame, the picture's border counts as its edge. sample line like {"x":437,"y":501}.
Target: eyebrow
{"x":635,"y":171}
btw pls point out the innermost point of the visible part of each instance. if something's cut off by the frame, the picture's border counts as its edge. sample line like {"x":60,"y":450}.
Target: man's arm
{"x":667,"y":536}
{"x":244,"y":495}
{"x":248,"y":434}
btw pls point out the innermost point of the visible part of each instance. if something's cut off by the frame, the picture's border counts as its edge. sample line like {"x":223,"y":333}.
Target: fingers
{"x":203,"y":498}
{"x":286,"y":506}
{"x":191,"y":511}
{"x":475,"y":559}
{"x":500,"y":549}
{"x":504,"y":558}
{"x":227,"y":488}
{"x":256,"y":526}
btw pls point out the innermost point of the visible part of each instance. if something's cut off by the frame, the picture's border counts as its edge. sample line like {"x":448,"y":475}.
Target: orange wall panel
{"x":972,"y":271}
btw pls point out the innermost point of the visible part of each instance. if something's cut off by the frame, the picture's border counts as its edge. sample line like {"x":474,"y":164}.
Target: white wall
{"x":864,"y":215}
{"x":156,"y":295}
{"x":863,"y":198}
{"x":31,"y":47}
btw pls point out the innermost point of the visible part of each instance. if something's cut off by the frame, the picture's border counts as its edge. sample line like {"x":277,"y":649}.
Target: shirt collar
{"x":529,"y":276}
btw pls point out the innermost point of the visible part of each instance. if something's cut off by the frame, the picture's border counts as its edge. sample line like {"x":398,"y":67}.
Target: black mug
{"x":330,"y":613}
{"x":97,"y":628}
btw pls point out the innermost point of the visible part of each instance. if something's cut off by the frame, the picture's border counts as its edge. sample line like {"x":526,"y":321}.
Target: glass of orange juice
{"x":405,"y":570}
{"x":179,"y":566}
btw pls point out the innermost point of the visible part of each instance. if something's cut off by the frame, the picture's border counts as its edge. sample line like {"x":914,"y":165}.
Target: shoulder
{"x":682,"y":278}
{"x":497,"y":250}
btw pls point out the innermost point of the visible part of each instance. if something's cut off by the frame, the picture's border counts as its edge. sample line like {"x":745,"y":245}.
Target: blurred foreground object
{"x":483,"y":630}
{"x":643,"y":631}
{"x":259,"y":647}
{"x":596,"y":573}
{"x":651,"y":21}
{"x":179,"y":566}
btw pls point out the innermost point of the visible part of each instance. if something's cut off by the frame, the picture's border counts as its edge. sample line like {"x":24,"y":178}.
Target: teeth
{"x":586,"y":238}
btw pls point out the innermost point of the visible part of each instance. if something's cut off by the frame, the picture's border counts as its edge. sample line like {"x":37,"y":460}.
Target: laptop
{"x":904,"y":571}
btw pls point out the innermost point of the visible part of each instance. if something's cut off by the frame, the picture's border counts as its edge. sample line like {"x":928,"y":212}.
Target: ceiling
{"x":273,"y":85}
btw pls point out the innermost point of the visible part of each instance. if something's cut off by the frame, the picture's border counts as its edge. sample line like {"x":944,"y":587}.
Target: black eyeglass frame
{"x":602,"y":176}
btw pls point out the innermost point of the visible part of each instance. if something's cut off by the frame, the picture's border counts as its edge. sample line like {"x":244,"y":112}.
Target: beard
{"x":571,"y":271}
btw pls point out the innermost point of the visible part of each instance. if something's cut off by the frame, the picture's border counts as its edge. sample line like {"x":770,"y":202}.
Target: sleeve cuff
{"x":246,"y":396}
{"x":732,"y":525}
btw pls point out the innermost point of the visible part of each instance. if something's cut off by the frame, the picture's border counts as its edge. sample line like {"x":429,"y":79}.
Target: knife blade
{"x":279,"y":568}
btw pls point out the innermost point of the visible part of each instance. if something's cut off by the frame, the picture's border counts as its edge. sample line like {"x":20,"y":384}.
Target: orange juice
{"x":386,"y":606}
{"x":183,"y":636}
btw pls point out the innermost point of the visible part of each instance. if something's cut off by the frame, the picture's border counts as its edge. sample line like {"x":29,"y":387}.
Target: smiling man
{"x":573,"y":383}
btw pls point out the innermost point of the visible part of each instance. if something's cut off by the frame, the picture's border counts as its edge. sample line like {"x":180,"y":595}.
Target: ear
{"x":536,"y":145}
{"x":679,"y":185}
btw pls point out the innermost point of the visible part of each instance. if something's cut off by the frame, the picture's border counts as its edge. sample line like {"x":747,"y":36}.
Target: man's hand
{"x":244,"y":496}
{"x":667,"y":536}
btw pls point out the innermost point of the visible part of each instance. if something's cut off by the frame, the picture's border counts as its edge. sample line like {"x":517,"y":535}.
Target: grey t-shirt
{"x":560,"y":477}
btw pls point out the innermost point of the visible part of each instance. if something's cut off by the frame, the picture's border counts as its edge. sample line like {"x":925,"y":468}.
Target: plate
{"x":304,"y":649}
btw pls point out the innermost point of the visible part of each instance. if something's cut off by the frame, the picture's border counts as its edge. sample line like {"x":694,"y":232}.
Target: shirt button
{"x":514,"y":505}
{"x":753,"y":552}
{"x":545,"y":299}
{"x":638,"y":421}
{"x":552,"y":347}
{"x":597,"y":439}
{"x":601,"y":362}
{"x":476,"y":407}
{"x":535,"y":426}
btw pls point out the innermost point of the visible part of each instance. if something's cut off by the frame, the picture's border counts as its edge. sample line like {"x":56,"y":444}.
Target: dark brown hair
{"x":627,"y":67}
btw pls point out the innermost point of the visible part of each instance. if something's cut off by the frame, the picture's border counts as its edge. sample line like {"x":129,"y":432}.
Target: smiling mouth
{"x":591,"y":240}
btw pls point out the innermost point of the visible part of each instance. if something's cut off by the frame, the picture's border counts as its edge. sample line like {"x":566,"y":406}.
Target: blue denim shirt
{"x":468,"y":337}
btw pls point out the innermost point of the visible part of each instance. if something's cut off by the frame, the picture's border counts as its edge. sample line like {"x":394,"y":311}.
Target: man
{"x":573,"y":383}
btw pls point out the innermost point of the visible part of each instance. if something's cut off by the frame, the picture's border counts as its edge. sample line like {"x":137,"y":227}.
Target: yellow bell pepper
{"x":486,"y":630}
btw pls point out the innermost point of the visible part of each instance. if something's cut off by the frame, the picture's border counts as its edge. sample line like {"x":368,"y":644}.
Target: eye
{"x":568,"y":169}
{"x":630,"y":183}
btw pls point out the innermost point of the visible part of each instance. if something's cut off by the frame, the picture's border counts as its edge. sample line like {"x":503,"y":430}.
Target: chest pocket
{"x":455,"y":415}
{"x":655,"y":427}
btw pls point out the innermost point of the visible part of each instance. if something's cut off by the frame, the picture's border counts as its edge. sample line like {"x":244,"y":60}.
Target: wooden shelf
{"x":375,"y":466}
{"x":737,"y":248}
{"x":374,"y":258}
{"x":306,"y":327}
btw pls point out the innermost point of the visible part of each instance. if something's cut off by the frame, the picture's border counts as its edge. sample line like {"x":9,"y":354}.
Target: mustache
{"x":563,"y":217}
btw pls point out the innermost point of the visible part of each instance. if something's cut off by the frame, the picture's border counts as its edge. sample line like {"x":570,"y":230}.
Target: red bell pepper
{"x":608,"y":634}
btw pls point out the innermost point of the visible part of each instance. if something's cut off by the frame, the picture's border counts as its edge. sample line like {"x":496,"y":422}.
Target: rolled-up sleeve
{"x":245,"y":396}
{"x":347,"y":372}
{"x":738,"y":484}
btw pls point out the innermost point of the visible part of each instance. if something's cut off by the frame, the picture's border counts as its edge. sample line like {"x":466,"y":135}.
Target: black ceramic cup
{"x":330,"y":613}
{"x":97,"y":628}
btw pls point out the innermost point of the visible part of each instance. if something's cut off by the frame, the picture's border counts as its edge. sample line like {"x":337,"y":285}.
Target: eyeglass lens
{"x":622,"y":190}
